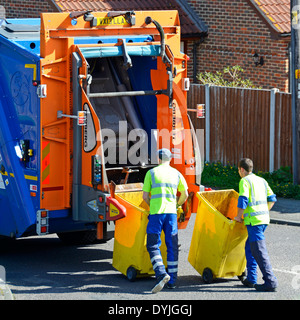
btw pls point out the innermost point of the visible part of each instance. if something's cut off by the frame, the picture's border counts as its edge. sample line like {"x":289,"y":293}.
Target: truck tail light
{"x":200,"y":110}
{"x":42,"y":222}
{"x":81,"y":118}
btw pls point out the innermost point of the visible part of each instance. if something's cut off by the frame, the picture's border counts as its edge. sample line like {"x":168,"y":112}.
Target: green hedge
{"x":219,"y":176}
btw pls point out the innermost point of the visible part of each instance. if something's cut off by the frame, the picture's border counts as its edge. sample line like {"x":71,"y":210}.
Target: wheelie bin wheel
{"x":207,"y":275}
{"x":131,"y":274}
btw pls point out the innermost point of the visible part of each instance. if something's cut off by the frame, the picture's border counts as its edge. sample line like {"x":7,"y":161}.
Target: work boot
{"x":161,"y":281}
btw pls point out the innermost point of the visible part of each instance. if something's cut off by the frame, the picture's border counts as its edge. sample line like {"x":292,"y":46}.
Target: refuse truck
{"x":86,"y":99}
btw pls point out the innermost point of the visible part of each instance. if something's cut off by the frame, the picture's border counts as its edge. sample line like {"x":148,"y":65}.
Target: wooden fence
{"x":241,"y":122}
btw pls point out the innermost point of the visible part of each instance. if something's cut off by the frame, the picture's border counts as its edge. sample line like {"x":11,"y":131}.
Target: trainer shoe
{"x":161,"y":281}
{"x":171,"y":285}
{"x":264,"y":288}
{"x":247,"y":283}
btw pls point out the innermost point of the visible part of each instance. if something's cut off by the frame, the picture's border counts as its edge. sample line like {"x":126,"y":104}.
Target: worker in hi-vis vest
{"x":255,"y":200}
{"x":163,"y":182}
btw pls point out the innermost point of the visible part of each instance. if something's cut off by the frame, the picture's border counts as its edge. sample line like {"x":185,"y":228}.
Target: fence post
{"x":272,"y":129}
{"x":207,"y":122}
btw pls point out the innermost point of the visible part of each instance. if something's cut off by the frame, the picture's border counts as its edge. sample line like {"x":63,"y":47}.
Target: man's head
{"x":164,"y":155}
{"x":245,"y":166}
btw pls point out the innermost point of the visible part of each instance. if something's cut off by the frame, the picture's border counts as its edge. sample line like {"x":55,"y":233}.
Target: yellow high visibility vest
{"x":163,"y":182}
{"x":257,"y":190}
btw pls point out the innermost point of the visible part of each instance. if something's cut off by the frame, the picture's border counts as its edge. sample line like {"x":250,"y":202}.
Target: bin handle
{"x":187,"y":207}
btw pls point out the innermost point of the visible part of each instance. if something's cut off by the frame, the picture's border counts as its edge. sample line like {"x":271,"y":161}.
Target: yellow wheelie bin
{"x":217,"y":248}
{"x":130,"y":255}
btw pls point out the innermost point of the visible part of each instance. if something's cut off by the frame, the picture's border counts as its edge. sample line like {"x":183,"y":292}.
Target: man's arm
{"x":239,"y":217}
{"x":270,"y":205}
{"x":271,"y":198}
{"x":242,"y":205}
{"x":146,"y":197}
{"x":183,"y":196}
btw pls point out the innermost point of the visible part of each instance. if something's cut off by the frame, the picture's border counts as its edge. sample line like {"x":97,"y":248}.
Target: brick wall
{"x":236,"y":32}
{"x":26,"y":8}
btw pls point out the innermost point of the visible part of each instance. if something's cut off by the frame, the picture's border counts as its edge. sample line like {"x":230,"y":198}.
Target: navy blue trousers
{"x":167,"y":223}
{"x":257,"y":254}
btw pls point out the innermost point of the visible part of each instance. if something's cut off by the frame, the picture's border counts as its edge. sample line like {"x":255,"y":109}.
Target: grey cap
{"x":164,"y":154}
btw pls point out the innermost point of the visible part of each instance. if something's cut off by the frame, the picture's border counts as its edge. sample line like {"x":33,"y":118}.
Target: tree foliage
{"x":229,"y":77}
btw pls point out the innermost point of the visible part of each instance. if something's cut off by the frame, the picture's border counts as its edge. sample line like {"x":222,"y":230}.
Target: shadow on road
{"x":44,"y":265}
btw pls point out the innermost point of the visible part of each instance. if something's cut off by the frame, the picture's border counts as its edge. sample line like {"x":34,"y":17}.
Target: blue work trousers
{"x":257,"y":254}
{"x":167,"y":223}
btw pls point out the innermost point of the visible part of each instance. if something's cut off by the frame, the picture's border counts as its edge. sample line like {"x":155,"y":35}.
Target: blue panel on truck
{"x":19,"y":113}
{"x":147,"y":109}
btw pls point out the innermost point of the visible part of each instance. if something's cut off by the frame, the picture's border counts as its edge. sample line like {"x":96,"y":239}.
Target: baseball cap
{"x":164,"y":154}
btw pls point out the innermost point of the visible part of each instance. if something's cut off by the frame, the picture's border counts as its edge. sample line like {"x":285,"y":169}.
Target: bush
{"x":229,"y":77}
{"x":219,"y":176}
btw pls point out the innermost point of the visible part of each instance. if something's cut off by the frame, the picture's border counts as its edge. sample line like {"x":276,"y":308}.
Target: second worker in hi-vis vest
{"x":163,"y":182}
{"x":255,"y":200}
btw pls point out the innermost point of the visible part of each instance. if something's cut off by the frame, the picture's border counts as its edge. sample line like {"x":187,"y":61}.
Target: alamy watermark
{"x":296,"y":17}
{"x":5,"y":292}
{"x":2,"y":275}
{"x":296,"y":279}
{"x":2,"y":13}
{"x":123,"y":146}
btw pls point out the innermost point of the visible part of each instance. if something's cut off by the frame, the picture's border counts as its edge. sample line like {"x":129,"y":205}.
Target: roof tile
{"x":277,"y":12}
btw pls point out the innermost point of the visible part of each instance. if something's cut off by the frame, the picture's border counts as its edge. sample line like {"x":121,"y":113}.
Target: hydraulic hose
{"x":149,"y":20}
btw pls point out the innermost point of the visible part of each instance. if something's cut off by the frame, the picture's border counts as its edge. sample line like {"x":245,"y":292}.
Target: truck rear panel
{"x":86,"y":99}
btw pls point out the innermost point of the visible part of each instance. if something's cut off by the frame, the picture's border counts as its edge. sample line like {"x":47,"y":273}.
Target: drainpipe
{"x":195,"y":65}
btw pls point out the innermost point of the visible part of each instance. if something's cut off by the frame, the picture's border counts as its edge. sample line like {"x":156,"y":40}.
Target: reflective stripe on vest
{"x":253,"y":200}
{"x":163,"y":185}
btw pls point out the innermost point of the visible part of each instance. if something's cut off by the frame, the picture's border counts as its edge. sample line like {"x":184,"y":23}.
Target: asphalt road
{"x":42,"y":268}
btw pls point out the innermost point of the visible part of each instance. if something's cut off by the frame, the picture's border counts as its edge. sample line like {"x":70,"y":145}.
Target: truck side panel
{"x":19,"y":192}
{"x":56,"y":144}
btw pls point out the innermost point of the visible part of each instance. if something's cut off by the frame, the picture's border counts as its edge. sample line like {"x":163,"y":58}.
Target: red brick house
{"x":192,"y":27}
{"x":254,"y":34}
{"x":26,"y":8}
{"x":240,"y":31}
